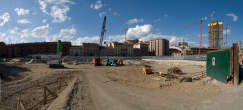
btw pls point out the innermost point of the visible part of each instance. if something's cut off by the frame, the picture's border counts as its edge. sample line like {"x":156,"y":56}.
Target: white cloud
{"x":23,"y":33}
{"x":66,"y":34}
{"x":4,"y":19}
{"x":8,"y":39}
{"x":133,"y":21}
{"x":101,"y":14}
{"x":228,"y":31}
{"x":157,"y":20}
{"x":21,"y":11}
{"x":175,"y":40}
{"x":44,"y":20}
{"x":203,"y":35}
{"x":40,"y":32}
{"x":2,"y":36}
{"x":212,"y":14}
{"x":43,"y":5}
{"x":66,"y":31}
{"x":116,"y":14}
{"x":23,"y":21}
{"x":97,"y":5}
{"x":90,"y":39}
{"x":109,"y":9}
{"x":234,"y":16}
{"x":144,"y":33}
{"x":58,"y":2}
{"x":138,"y":31}
{"x":59,"y":14}
{"x":58,"y":9}
{"x":141,"y":32}
{"x":165,"y":15}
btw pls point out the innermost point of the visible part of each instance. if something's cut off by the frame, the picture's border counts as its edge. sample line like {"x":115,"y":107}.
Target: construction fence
{"x":188,"y":57}
{"x":89,"y":58}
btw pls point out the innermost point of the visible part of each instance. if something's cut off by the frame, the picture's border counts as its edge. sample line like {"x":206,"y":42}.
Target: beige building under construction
{"x":215,"y":34}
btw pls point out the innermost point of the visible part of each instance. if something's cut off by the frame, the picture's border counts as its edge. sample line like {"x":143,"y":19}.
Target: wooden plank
{"x":20,"y":105}
{"x":236,"y":63}
{"x":45,"y":96}
{"x":52,"y":93}
{"x":59,"y":83}
{"x":231,"y":61}
{"x":40,"y":102}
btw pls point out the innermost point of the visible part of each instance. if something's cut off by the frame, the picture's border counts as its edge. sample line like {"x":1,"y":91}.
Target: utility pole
{"x":201,"y":21}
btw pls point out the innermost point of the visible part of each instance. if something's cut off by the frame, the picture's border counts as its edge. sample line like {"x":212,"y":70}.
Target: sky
{"x":80,"y":21}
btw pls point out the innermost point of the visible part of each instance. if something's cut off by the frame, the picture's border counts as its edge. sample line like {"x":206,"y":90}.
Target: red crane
{"x":196,"y":22}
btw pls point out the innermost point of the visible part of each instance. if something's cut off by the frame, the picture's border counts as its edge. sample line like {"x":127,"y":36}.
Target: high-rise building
{"x":159,"y":47}
{"x":215,"y":34}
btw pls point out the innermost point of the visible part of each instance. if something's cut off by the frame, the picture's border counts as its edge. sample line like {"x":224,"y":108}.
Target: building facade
{"x":90,"y":49}
{"x":76,"y":51}
{"x":121,"y":49}
{"x":25,"y":49}
{"x":159,"y":47}
{"x":215,"y":34}
{"x":140,"y":49}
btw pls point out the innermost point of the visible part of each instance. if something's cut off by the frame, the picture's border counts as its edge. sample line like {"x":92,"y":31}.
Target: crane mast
{"x":97,"y":60}
{"x":103,"y":30}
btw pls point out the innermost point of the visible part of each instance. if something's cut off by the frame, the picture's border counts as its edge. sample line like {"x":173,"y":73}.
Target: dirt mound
{"x":174,"y":70}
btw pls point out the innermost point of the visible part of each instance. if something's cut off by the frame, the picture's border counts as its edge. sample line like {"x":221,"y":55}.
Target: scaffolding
{"x":215,"y":34}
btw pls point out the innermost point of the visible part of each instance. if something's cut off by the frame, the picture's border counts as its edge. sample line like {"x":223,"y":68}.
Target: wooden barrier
{"x":236,"y":63}
{"x":48,"y":95}
{"x":20,"y":105}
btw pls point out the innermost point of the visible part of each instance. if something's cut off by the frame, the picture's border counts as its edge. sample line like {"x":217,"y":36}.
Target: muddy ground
{"x":122,"y":88}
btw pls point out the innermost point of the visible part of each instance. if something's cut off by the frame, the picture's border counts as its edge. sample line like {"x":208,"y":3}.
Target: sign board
{"x":213,"y":61}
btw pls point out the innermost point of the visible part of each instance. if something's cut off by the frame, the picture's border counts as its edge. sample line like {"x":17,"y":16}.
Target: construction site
{"x":129,"y":75}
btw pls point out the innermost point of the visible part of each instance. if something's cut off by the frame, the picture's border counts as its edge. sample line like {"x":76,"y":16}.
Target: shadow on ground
{"x":11,"y":72}
{"x":241,"y":73}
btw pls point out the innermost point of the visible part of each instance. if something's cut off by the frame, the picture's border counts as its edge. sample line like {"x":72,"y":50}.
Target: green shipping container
{"x":59,"y":47}
{"x":218,"y":65}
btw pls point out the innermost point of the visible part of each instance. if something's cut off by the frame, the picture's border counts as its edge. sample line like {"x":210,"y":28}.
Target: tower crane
{"x":96,"y":60}
{"x":196,"y":22}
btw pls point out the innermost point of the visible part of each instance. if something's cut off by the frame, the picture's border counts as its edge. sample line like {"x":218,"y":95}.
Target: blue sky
{"x":80,"y":21}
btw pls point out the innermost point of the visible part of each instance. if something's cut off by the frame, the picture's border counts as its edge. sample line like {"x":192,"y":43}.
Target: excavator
{"x":97,"y":60}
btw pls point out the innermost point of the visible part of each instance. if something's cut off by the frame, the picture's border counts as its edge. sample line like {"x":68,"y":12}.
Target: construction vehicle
{"x":97,"y":60}
{"x":119,"y":62}
{"x":113,"y":62}
{"x":147,"y":69}
{"x":57,"y":62}
{"x":110,"y":62}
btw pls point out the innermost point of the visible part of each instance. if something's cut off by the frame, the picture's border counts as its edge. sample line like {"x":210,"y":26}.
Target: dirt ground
{"x":121,"y":88}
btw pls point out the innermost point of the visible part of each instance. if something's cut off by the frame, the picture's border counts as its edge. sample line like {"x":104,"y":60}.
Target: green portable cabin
{"x":219,"y":65}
